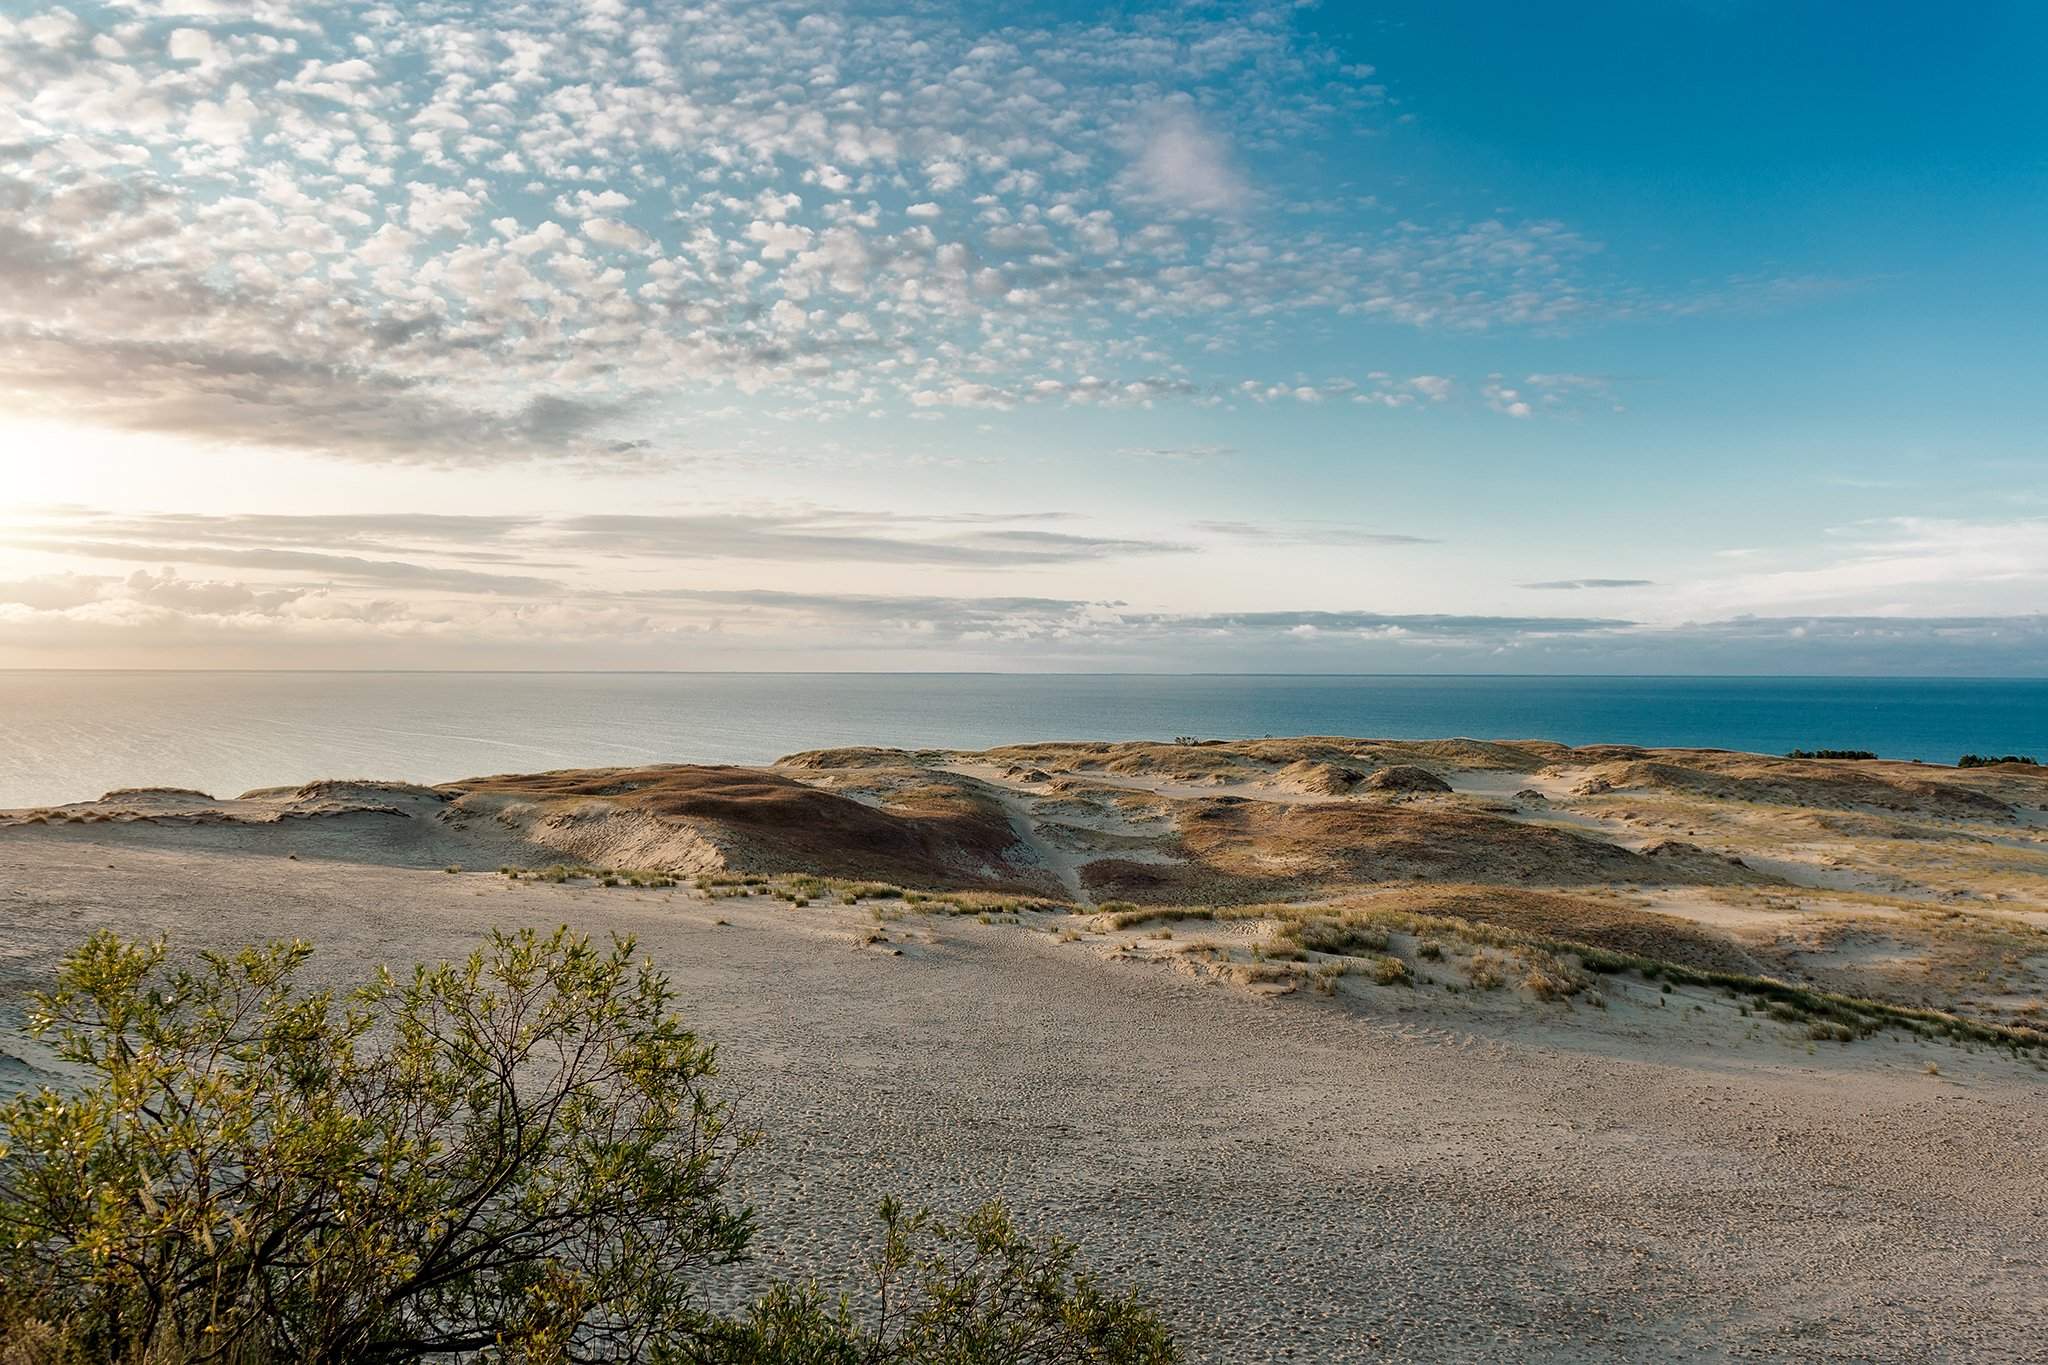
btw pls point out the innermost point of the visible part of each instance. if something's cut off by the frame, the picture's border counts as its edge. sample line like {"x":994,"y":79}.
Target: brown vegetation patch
{"x":2036,"y":771}
{"x":1147,"y":883}
{"x":860,"y":756}
{"x":1579,"y":919}
{"x":1253,"y":759}
{"x":132,"y":795}
{"x":1237,"y":850}
{"x":1318,"y":778}
{"x":1792,"y":782}
{"x":1406,"y":777}
{"x":1355,"y":843}
{"x":936,"y":834}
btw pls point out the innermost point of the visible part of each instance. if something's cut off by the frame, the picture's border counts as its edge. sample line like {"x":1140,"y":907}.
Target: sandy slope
{"x":1394,"y":1175}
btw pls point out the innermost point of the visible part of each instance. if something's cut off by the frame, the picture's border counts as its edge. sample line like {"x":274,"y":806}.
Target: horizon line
{"x":1032,"y":673}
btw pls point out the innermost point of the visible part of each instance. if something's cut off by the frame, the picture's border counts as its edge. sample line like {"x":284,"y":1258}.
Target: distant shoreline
{"x":70,"y":734}
{"x":1062,"y":673}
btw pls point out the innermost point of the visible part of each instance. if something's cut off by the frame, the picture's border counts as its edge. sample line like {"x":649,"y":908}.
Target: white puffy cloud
{"x":1507,"y":400}
{"x":352,"y":71}
{"x":612,"y":233}
{"x":1183,"y":162}
{"x":226,"y":122}
{"x":52,"y":28}
{"x":439,"y":208}
{"x":190,"y":45}
{"x":778,"y":240}
{"x":388,"y":245}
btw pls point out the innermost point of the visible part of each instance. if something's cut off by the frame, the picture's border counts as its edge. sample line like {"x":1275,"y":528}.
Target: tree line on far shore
{"x":1966,"y":761}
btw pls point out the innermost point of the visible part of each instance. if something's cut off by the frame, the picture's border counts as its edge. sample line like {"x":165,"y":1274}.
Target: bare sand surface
{"x":1385,"y":1174}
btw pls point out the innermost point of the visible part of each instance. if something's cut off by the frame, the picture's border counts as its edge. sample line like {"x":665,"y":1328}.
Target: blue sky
{"x":1688,"y":337}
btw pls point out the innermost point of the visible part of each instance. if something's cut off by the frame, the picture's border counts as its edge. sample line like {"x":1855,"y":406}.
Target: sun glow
{"x":51,"y":463}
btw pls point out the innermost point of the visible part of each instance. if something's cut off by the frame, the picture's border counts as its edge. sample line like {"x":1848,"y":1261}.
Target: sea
{"x":71,"y":735}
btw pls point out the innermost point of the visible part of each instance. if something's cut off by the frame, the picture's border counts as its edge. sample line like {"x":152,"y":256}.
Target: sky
{"x":1703,"y":336}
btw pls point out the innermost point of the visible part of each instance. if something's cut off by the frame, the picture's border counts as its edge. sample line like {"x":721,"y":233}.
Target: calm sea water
{"x":67,"y":736}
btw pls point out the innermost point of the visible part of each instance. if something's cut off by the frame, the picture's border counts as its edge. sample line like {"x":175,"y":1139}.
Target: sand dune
{"x":1681,"y":842}
{"x":1517,"y":1052}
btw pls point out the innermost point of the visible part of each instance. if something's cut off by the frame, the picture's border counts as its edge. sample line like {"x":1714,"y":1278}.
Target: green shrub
{"x":518,"y":1157}
{"x":948,"y":1294}
{"x":520,"y":1148}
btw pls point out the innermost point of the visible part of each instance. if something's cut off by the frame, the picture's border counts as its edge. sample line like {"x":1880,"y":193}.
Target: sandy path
{"x":1152,"y":786}
{"x":1705,"y":905}
{"x":1503,"y":786}
{"x":1294,"y":1179}
{"x":1049,"y":855}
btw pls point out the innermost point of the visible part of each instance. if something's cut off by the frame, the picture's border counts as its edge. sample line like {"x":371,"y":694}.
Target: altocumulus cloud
{"x":473,"y":233}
